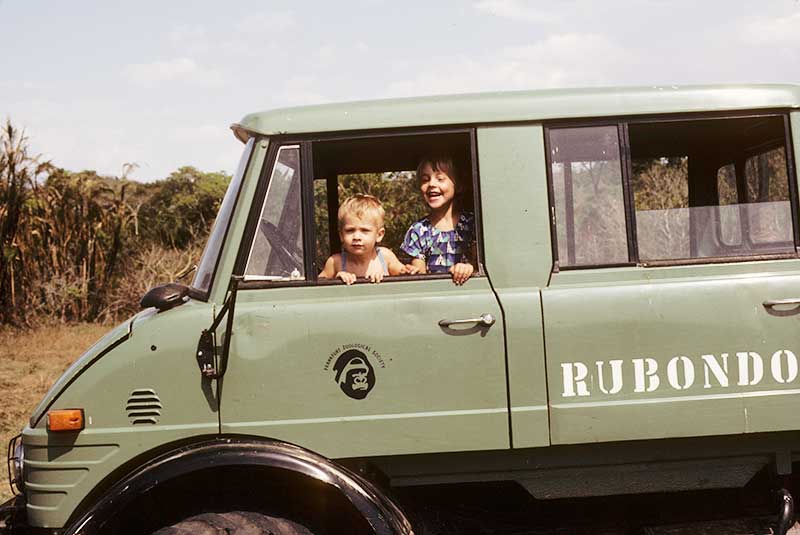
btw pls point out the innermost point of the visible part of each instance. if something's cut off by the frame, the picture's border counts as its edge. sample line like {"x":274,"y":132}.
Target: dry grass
{"x":32,"y":361}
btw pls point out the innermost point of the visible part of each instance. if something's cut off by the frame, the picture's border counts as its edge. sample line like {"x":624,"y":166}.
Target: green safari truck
{"x":632,"y":326}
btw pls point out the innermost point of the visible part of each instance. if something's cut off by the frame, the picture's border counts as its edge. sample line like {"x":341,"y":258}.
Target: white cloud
{"x":513,"y":9}
{"x":775,"y":31}
{"x":183,"y":34}
{"x":25,"y":85}
{"x":160,"y":71}
{"x":557,"y":61}
{"x":264,"y":23}
{"x":299,"y":90}
{"x":327,"y":53}
{"x":171,"y":70}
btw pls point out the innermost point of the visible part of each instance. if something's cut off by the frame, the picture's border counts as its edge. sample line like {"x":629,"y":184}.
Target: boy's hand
{"x":347,"y":277}
{"x":408,"y":269}
{"x":374,"y":272}
{"x":461,"y":272}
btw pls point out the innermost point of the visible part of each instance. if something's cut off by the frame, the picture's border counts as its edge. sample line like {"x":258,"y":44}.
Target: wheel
{"x":234,"y":523}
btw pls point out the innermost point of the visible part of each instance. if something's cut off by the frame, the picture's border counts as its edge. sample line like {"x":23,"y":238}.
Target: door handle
{"x":486,"y":320}
{"x":778,"y":302}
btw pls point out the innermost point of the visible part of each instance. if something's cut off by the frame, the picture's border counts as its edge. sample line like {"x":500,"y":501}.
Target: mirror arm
{"x":207,"y":359}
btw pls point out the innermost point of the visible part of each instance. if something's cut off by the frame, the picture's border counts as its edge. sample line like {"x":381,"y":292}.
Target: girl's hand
{"x":347,"y":277}
{"x":461,"y":272}
{"x":408,"y":269}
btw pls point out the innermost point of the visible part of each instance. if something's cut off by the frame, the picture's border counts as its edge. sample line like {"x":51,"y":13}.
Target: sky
{"x":99,"y":84}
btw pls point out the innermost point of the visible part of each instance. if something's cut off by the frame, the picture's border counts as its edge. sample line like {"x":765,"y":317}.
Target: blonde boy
{"x":361,"y":230}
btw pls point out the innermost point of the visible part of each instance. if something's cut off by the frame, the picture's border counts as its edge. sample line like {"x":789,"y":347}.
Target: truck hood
{"x":112,"y":339}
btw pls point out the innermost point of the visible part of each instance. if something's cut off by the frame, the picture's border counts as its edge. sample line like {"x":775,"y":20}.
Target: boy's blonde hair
{"x":361,"y":205}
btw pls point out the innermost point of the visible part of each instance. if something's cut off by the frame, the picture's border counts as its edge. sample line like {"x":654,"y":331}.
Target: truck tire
{"x":235,"y":523}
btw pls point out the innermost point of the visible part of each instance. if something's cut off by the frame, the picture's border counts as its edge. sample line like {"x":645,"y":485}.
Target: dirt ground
{"x":31,"y":362}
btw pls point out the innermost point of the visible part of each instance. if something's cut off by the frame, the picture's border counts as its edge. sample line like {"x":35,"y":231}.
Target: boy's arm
{"x":329,"y":271}
{"x":393,"y":264}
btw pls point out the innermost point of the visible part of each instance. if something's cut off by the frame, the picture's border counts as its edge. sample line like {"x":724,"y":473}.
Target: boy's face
{"x":437,"y":187}
{"x":360,"y":235}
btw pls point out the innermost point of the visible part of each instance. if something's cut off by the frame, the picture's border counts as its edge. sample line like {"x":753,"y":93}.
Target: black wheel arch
{"x":378,"y":510}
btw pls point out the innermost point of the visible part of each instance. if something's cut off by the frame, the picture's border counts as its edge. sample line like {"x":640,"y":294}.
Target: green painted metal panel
{"x":433,"y":389}
{"x":518,"y":259}
{"x":157,"y":361}
{"x":694,"y":348}
{"x":520,"y":106}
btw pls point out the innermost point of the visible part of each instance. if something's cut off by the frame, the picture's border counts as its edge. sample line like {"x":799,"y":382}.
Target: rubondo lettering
{"x":744,"y":368}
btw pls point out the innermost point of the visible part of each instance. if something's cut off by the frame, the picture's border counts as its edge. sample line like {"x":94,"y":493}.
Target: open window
{"x":384,"y":167}
{"x":297,"y":227}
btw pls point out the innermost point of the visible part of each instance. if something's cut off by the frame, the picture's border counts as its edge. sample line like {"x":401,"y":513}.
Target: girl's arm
{"x":417,"y":266}
{"x":411,"y":247}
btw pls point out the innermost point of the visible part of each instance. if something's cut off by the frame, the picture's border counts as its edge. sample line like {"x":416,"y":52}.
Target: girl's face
{"x":438,"y":188}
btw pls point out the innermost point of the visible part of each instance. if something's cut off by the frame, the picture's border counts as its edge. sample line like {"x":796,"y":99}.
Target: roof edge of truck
{"x":514,"y":106}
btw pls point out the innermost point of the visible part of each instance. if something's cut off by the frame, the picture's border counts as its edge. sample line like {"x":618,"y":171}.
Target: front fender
{"x":381,"y":513}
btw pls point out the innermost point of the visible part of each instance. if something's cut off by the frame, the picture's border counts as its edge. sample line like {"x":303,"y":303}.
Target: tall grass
{"x":85,"y":247}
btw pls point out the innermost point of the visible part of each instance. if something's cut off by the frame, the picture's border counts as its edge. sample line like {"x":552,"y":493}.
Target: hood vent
{"x":144,"y":407}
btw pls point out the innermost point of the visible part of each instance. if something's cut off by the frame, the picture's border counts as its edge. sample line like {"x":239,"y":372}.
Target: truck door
{"x":674,"y":308}
{"x":357,"y":370}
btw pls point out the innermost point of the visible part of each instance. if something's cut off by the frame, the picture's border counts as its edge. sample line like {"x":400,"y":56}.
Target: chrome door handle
{"x":486,"y":320}
{"x":779,"y":302}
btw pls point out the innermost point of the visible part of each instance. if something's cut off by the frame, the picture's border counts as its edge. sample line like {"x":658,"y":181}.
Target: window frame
{"x":622,"y":123}
{"x":263,"y":204}
{"x":306,"y":143}
{"x":196,"y":293}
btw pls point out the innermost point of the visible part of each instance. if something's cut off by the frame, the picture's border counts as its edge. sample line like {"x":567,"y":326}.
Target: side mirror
{"x":165,"y":297}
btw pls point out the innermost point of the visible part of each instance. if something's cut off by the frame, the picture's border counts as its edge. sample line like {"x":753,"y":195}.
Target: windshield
{"x":208,"y":263}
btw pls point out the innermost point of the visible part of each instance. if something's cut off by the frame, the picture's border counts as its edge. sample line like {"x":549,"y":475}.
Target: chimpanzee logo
{"x":354,"y":374}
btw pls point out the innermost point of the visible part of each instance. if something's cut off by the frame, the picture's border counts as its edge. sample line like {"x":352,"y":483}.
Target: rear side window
{"x":586,"y":170}
{"x":697,"y":189}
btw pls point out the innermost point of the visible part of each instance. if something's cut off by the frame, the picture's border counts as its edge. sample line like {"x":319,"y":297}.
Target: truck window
{"x":768,"y":205}
{"x":586,"y":172}
{"x":208,"y":263}
{"x":277,"y":250}
{"x":710,"y":188}
{"x":696,"y":189}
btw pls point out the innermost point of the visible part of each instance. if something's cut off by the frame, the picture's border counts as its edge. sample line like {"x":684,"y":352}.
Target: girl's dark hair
{"x":442,"y":163}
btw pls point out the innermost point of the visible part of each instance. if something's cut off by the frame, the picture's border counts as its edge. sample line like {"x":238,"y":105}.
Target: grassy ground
{"x":32,"y":361}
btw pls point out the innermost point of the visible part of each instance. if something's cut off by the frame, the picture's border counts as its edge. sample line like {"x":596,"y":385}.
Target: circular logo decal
{"x":354,"y":374}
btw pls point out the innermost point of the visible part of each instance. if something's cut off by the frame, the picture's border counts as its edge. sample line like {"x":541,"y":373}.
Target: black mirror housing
{"x":165,"y":297}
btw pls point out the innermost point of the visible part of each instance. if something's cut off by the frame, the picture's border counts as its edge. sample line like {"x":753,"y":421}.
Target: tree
{"x":180,"y":208}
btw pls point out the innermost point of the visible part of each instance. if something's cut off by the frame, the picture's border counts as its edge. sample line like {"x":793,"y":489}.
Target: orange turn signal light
{"x":65,"y":420}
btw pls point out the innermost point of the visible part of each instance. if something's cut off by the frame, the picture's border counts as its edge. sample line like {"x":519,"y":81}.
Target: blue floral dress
{"x":440,"y":249}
